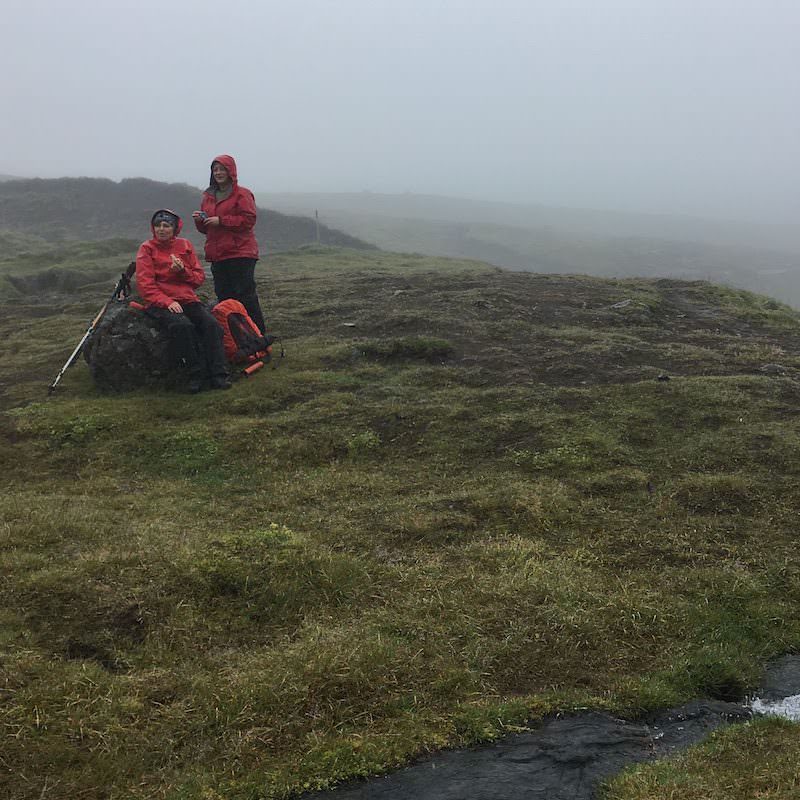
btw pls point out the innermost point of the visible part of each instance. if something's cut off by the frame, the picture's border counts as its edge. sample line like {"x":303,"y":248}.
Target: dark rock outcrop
{"x":129,"y":351}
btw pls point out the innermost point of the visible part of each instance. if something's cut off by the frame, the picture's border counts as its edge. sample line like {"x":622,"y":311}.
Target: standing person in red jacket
{"x":167,"y":273}
{"x":227,"y":217}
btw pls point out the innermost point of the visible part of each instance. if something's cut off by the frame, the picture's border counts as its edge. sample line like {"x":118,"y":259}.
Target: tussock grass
{"x":353,"y":559}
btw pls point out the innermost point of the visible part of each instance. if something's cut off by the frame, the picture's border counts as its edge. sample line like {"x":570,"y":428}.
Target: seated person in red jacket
{"x":167,"y":273}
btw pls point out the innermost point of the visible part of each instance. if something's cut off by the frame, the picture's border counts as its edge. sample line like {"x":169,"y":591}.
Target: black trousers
{"x":234,"y":279}
{"x":195,"y":340}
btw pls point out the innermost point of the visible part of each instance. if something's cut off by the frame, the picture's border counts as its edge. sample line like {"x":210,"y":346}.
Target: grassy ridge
{"x":759,"y":258}
{"x":544,"y":249}
{"x":465,"y":500}
{"x":65,"y":210}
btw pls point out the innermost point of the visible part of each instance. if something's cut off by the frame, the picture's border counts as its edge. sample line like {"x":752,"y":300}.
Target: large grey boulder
{"x":128,"y":350}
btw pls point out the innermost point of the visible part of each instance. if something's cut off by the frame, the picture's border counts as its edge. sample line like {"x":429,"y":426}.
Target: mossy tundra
{"x":467,"y":498}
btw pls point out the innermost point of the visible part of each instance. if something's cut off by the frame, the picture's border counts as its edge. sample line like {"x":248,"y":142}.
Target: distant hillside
{"x":755,"y":257}
{"x":576,"y":221}
{"x":80,"y":209}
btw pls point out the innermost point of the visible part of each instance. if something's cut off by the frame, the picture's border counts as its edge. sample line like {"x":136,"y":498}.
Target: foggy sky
{"x":682,"y":106}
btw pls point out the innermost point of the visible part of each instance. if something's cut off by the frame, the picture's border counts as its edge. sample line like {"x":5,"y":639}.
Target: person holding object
{"x":227,"y":217}
{"x":167,"y":273}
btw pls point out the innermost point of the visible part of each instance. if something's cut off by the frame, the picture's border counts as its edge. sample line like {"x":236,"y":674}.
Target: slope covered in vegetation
{"x":70,"y":209}
{"x":467,"y":498}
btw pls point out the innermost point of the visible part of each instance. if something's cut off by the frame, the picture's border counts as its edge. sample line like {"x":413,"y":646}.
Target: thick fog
{"x":687,"y":106}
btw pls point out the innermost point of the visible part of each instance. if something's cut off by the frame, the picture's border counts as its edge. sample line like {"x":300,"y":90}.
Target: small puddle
{"x":566,"y":757}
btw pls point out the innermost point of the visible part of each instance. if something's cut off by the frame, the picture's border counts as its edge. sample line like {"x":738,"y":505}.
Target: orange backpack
{"x":243,"y":341}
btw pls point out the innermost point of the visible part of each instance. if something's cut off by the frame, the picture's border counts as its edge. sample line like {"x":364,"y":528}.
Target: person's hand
{"x":177,"y":264}
{"x":212,"y":221}
{"x":175,"y":307}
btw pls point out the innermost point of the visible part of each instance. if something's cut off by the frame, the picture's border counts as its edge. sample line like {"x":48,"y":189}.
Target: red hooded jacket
{"x":233,"y":237}
{"x":159,"y":284}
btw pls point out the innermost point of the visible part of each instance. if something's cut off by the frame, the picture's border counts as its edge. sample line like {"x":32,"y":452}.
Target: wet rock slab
{"x":563,"y":758}
{"x":782,"y":679}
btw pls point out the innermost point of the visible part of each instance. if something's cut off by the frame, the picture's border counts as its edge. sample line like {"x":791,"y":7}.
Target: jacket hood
{"x":178,"y":226}
{"x":229,"y":164}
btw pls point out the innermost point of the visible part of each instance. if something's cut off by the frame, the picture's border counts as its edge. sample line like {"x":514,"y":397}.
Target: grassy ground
{"x":467,"y":498}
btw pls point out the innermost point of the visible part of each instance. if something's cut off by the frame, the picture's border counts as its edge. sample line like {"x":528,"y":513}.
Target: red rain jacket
{"x":233,"y":237}
{"x":157,"y":283}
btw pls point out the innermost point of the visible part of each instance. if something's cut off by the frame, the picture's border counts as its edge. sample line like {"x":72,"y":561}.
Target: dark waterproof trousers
{"x":195,"y":340}
{"x":234,"y":279}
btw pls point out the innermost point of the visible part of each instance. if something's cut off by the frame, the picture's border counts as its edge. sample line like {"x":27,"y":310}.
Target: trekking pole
{"x":121,"y":290}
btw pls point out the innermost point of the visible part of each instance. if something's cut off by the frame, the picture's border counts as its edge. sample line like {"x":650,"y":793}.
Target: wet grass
{"x":755,"y":760}
{"x":419,"y":531}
